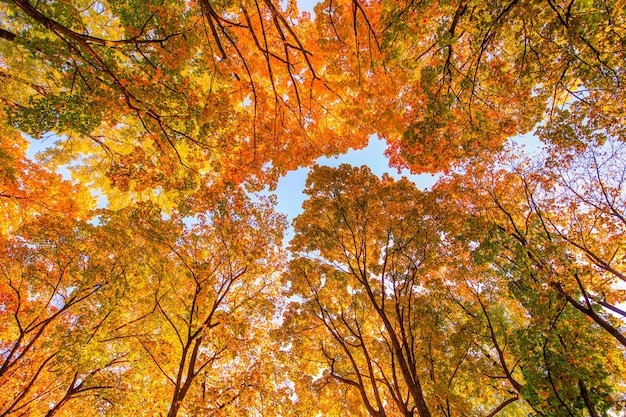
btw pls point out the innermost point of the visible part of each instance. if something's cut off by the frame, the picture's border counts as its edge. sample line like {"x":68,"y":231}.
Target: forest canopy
{"x":500,"y":291}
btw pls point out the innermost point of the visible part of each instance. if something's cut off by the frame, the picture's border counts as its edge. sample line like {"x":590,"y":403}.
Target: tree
{"x":371,"y":278}
{"x":29,"y":190}
{"x":171,"y":96}
{"x":538,"y":226}
{"x":53,"y":282}
{"x":161,"y":99}
{"x":194,"y":299}
{"x":96,"y":316}
{"x":496,"y":293}
{"x":454,"y":79}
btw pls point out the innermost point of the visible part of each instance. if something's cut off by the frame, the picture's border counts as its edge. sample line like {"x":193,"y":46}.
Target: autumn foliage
{"x":140,"y":274}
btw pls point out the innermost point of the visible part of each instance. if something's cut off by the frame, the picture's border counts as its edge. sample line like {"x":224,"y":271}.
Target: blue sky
{"x":307,"y":6}
{"x":290,"y":187}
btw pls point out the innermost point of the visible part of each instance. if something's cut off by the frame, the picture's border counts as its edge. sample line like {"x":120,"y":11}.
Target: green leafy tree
{"x":540,"y":239}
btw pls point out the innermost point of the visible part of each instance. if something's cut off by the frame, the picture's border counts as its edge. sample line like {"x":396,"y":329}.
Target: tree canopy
{"x":500,"y":291}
